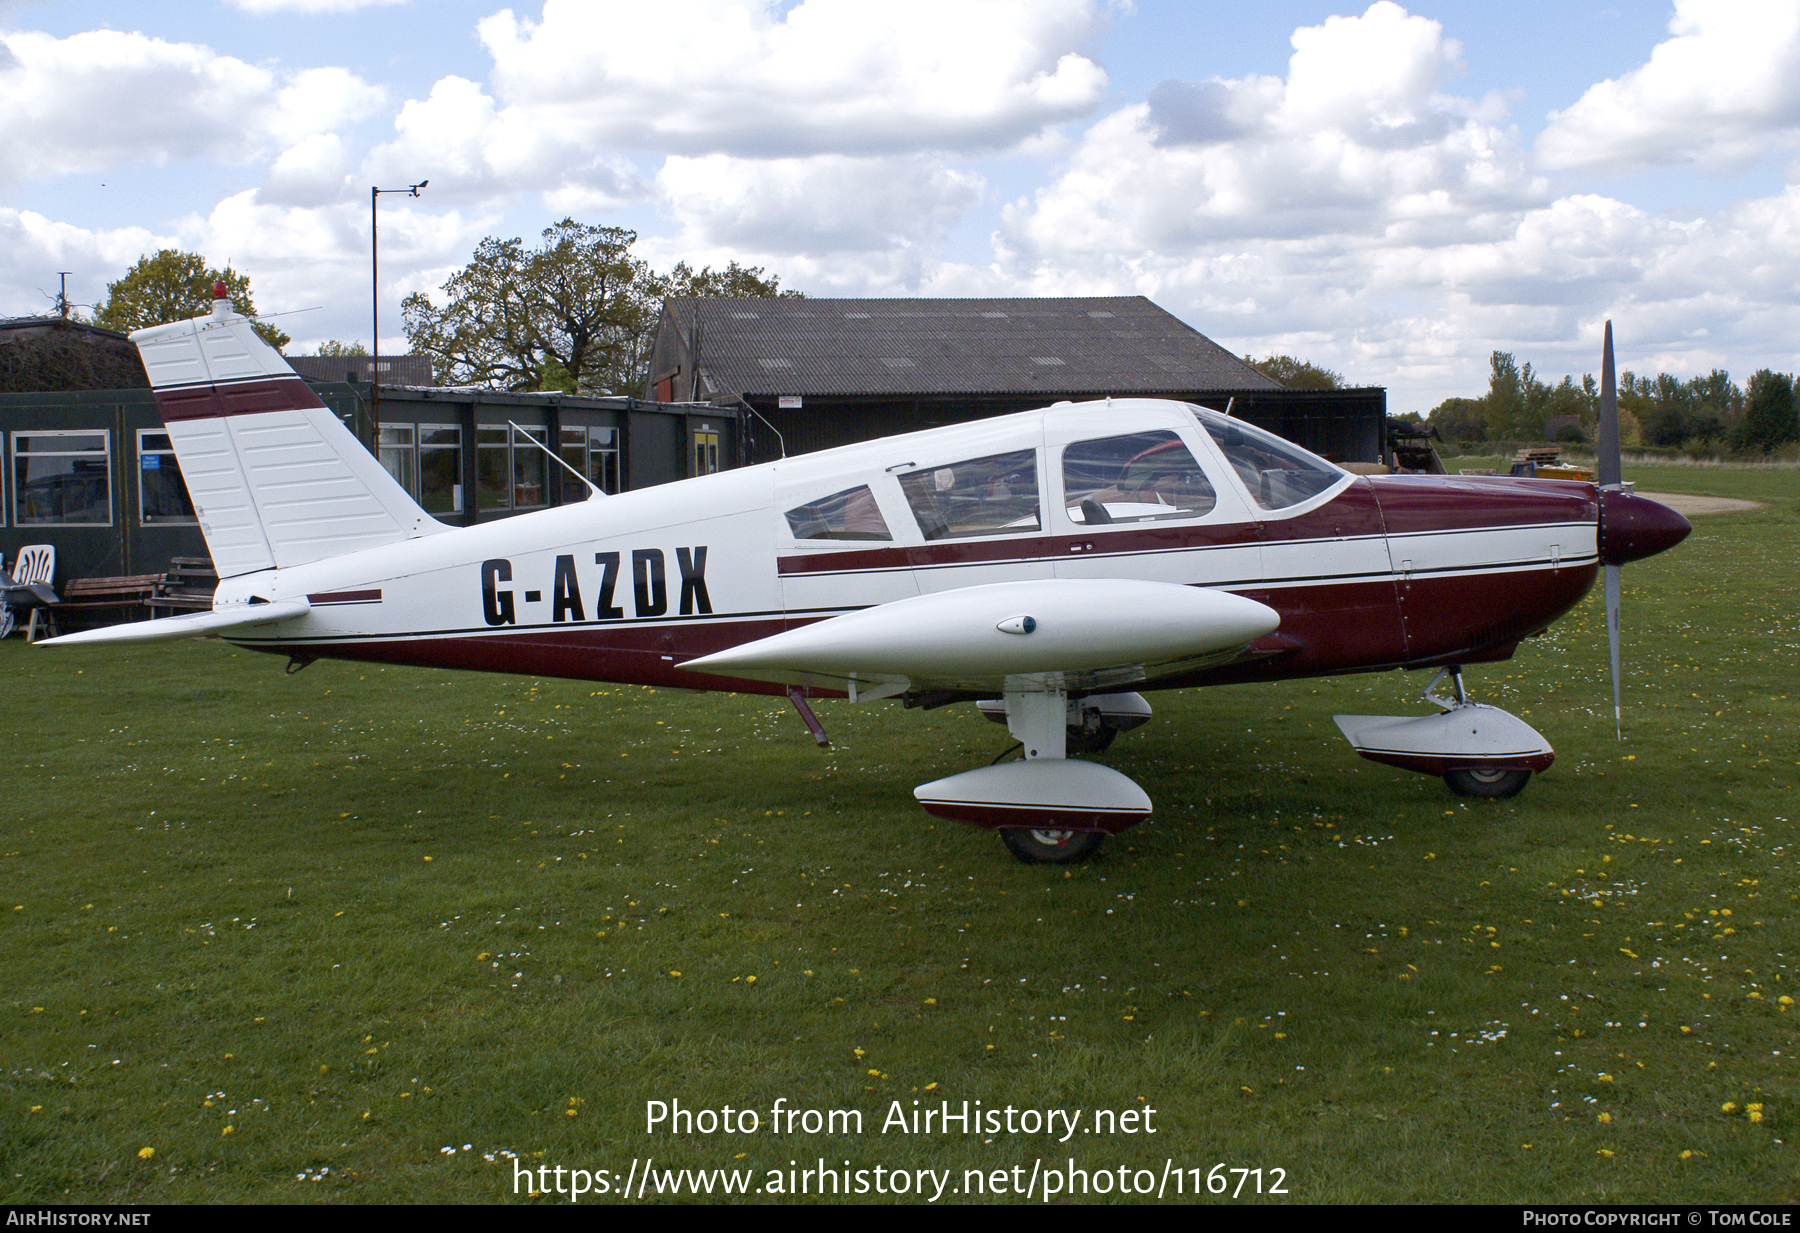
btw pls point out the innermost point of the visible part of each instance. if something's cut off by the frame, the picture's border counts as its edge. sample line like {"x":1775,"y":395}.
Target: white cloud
{"x":821,"y":205}
{"x":1719,"y":93}
{"x":1396,"y":233}
{"x":301,"y":257}
{"x":37,"y":248}
{"x":103,"y":98}
{"x":825,"y":224}
{"x":748,"y":78}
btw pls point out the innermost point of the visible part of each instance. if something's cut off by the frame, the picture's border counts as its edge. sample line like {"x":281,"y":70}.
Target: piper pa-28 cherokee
{"x":1045,"y":565}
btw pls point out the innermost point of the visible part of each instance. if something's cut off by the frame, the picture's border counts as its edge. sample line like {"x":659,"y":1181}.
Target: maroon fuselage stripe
{"x":992,"y":816}
{"x":252,"y":397}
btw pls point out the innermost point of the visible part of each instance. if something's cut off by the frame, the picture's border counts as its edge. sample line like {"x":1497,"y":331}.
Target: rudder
{"x":276,"y":479}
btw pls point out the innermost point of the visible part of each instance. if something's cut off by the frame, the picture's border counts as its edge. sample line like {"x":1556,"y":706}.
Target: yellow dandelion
{"x":144,"y":1153}
{"x":1729,"y":1106}
{"x":1605,"y":1119}
{"x":226,"y":1131}
{"x":1687,"y":1155}
{"x":1756,"y":1115}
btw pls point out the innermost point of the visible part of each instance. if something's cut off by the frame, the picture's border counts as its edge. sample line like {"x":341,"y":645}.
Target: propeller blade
{"x":1612,"y":644}
{"x":1607,"y":464}
{"x":1608,"y":474}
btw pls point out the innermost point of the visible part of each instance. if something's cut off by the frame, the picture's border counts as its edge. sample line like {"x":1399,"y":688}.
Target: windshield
{"x":1276,"y":473}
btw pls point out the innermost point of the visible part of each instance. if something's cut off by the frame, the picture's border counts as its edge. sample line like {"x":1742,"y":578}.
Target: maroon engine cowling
{"x":1634,"y":527}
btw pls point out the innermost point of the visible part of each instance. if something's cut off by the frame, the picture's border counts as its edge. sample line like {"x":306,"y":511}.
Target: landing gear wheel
{"x":1048,"y":847}
{"x":1487,"y":782}
{"x":1082,"y":741}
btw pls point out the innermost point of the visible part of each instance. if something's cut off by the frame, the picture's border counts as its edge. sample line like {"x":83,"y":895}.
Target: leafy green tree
{"x":567,"y":312}
{"x":735,"y":282}
{"x":331,"y":348}
{"x":1460,"y":419}
{"x":1769,"y":411}
{"x":577,"y":314}
{"x":173,"y":286}
{"x":1296,"y":373}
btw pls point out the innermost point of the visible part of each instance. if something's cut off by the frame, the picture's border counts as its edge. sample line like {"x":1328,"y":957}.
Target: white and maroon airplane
{"x":1046,"y":565}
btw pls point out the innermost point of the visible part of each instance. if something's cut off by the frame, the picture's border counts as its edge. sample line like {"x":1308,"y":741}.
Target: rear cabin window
{"x":1143,"y":477}
{"x":850,"y":514}
{"x":997,"y":495}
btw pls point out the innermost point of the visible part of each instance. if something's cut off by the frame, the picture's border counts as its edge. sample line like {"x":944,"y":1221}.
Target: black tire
{"x":1050,"y":847}
{"x":1081,"y":741}
{"x":1491,"y":784}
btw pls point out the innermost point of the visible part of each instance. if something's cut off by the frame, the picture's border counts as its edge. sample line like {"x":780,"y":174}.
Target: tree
{"x":173,"y":286}
{"x":564,"y":315}
{"x":332,"y":348}
{"x":1295,"y":373}
{"x":1460,"y":419}
{"x":1769,"y":417}
{"x":576,"y":314}
{"x":734,"y":282}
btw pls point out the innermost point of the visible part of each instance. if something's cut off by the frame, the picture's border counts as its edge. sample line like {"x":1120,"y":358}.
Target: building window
{"x":62,"y":479}
{"x":603,"y":458}
{"x":706,"y":453}
{"x":400,"y":456}
{"x":529,"y":462}
{"x":593,"y":452}
{"x":440,"y":468}
{"x":162,"y":494}
{"x":509,"y":474}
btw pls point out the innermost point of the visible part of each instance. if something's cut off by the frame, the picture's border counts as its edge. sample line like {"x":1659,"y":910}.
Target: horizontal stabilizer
{"x":189,"y":625}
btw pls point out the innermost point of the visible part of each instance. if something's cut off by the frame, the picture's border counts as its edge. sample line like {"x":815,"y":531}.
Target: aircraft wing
{"x":1094,"y":632}
{"x":189,"y":625}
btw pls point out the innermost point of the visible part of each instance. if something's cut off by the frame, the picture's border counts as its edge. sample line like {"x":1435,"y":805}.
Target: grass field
{"x":367,"y":935}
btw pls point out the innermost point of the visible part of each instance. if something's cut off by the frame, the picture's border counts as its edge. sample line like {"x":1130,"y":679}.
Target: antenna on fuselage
{"x":559,"y":458}
{"x":779,"y":439}
{"x":1228,"y":403}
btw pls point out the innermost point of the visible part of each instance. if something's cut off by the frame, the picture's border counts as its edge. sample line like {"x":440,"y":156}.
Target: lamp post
{"x":411,"y":190}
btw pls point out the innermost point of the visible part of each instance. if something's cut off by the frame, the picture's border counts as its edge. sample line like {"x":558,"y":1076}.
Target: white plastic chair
{"x":36,"y":563}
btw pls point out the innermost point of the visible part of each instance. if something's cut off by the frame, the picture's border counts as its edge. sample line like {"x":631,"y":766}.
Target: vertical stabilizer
{"x":276,"y":479}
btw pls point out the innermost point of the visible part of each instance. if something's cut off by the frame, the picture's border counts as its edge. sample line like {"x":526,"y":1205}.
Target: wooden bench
{"x":188,"y":586}
{"x":130,"y":591}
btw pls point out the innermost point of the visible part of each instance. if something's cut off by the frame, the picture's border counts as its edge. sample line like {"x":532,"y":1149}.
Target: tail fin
{"x":276,"y":479}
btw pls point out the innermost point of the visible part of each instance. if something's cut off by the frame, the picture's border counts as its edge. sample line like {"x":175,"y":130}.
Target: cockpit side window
{"x":1143,"y":477}
{"x":850,"y":514}
{"x":997,"y":495}
{"x":1276,"y":473}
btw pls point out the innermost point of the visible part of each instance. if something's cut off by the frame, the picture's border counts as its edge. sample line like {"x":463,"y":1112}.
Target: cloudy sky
{"x":1390,"y":191}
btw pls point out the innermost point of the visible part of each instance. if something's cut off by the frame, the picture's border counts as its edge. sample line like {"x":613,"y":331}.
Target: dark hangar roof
{"x":1092,"y":345}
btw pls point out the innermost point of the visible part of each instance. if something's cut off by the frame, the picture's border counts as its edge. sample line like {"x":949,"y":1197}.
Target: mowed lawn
{"x":395,"y":935}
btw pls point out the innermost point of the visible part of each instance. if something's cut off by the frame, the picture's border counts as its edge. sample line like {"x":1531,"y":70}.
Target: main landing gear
{"x":1480,"y":751}
{"x":1035,"y":847}
{"x":1048,"y":809}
